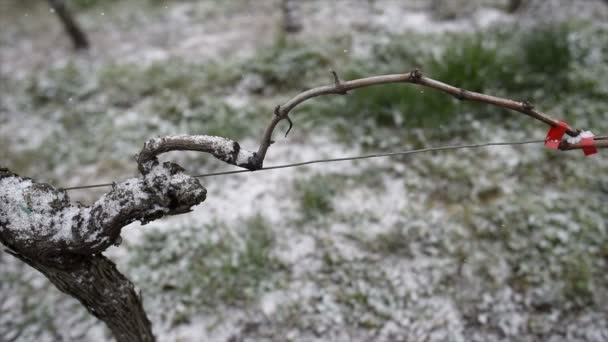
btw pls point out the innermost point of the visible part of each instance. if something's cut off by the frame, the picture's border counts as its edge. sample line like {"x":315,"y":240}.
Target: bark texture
{"x":64,"y":241}
{"x":106,"y":293}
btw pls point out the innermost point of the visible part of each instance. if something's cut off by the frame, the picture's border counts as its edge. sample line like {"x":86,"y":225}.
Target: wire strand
{"x":333,"y":160}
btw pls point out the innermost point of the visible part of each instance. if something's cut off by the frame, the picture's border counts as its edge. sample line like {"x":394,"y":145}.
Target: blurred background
{"x":496,"y":244}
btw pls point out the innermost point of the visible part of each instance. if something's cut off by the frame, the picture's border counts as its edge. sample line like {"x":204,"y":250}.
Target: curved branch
{"x":224,"y":149}
{"x":413,"y":77}
{"x":230,"y":151}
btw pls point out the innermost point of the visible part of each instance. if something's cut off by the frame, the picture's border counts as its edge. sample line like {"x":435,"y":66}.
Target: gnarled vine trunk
{"x":64,"y":240}
{"x":105,"y":292}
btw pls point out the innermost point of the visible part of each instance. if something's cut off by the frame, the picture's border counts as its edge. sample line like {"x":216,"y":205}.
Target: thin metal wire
{"x":332,"y":160}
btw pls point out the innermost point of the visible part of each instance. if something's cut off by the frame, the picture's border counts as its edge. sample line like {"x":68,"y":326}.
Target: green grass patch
{"x":232,"y":269}
{"x":103,"y":114}
{"x":577,"y":277}
{"x":126,"y":84}
{"x":287,"y":66}
{"x":315,"y":195}
{"x":396,"y":241}
{"x":473,"y":63}
{"x":546,"y":242}
{"x":540,"y":64}
{"x":60,"y":86}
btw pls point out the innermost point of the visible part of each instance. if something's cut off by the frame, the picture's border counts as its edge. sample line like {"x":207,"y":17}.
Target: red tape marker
{"x":555,"y":135}
{"x":588,"y":145}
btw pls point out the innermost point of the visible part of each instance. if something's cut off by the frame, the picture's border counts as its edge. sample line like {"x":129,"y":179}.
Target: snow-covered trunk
{"x":64,"y":240}
{"x":106,"y":293}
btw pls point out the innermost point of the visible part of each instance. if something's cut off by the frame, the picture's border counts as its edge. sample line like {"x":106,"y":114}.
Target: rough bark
{"x":64,"y":241}
{"x":106,"y":293}
{"x":39,"y":221}
{"x":77,"y":35}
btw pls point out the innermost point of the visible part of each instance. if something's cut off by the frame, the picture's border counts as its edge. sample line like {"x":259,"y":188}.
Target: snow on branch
{"x":39,"y":221}
{"x":222,"y":148}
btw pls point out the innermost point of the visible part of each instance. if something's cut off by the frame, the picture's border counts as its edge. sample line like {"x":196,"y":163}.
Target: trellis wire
{"x":332,"y":160}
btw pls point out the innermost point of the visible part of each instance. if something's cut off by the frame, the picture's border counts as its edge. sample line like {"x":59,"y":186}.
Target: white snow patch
{"x":577,"y":139}
{"x":298,"y":247}
{"x":270,"y":302}
{"x":219,"y":145}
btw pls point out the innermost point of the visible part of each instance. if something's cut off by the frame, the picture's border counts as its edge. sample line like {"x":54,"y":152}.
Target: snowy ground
{"x":498,"y":244}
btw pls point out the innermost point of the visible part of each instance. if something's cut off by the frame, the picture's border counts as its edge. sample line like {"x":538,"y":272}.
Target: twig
{"x":413,"y":77}
{"x":224,"y":149}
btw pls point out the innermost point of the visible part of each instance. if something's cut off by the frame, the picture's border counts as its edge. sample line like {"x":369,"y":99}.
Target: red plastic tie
{"x":555,"y":135}
{"x":588,"y":145}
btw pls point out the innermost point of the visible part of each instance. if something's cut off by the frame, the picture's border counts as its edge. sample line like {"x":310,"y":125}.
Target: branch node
{"x":339,"y":86}
{"x":415,"y":75}
{"x":462,"y":94}
{"x":527,"y":105}
{"x":277,"y":110}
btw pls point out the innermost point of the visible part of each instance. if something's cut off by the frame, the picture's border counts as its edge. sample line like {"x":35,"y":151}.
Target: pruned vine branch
{"x":414,"y":77}
{"x":231,"y":152}
{"x":224,"y":149}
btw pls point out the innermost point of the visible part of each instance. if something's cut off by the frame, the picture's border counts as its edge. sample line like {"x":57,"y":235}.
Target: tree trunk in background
{"x":291,"y":22}
{"x":102,"y":289}
{"x":514,"y":5}
{"x":79,"y":39}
